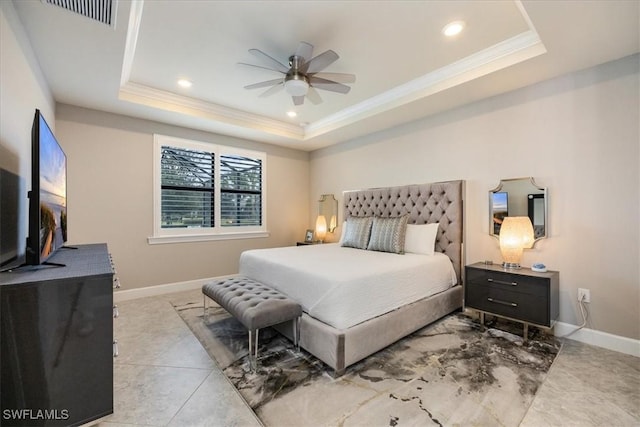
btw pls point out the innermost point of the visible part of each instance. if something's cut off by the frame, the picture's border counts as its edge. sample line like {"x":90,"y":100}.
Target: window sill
{"x":160,"y":240}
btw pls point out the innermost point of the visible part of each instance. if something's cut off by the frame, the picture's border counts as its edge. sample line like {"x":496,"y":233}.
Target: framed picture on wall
{"x":308,"y":236}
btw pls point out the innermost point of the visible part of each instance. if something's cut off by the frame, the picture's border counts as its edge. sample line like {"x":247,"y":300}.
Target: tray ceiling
{"x":405,"y":66}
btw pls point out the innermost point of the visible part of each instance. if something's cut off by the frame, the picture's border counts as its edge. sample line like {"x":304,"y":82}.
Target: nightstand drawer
{"x":534,"y":286}
{"x":508,"y":303}
{"x":521,"y":295}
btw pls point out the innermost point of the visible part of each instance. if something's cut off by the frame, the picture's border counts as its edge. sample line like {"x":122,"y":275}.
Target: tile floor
{"x":163,"y":377}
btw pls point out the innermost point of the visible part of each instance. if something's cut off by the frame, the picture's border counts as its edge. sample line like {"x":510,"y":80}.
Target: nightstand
{"x":307,"y":243}
{"x":522,"y":295}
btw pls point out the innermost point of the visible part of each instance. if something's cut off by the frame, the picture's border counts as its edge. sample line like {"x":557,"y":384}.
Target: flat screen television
{"x":48,"y":195}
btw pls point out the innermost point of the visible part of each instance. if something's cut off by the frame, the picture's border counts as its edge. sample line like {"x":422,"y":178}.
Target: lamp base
{"x":511,"y":266}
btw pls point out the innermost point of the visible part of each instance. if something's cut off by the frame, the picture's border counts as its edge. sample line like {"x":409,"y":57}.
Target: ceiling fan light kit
{"x":296,"y":85}
{"x":303,"y":75}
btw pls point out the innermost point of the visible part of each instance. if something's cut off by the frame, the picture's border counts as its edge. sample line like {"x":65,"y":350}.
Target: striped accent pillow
{"x":387,"y":234}
{"x":357,"y":232}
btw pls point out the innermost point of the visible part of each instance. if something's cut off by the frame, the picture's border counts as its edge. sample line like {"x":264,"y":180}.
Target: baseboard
{"x":585,"y":335}
{"x":151,"y":291}
{"x":599,"y":338}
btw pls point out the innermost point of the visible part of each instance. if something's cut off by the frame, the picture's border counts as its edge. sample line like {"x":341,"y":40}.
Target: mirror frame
{"x":537,"y":187}
{"x":328,"y":206}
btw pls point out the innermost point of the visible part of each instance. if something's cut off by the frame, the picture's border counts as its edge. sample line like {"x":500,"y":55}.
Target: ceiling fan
{"x":303,"y":75}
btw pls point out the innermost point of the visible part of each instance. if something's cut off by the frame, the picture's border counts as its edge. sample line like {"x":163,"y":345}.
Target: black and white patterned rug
{"x":452,"y":372}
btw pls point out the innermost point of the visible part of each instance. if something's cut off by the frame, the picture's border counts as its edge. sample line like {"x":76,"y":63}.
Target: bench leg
{"x":253,"y":350}
{"x":256,"y":349}
{"x":205,"y":310}
{"x":296,"y":332}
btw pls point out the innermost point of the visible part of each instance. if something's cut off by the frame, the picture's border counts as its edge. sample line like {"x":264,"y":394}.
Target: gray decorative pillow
{"x":357,"y":232}
{"x":387,"y":234}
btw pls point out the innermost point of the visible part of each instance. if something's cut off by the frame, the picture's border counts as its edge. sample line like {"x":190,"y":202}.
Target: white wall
{"x":110,"y":197}
{"x":577,"y":135}
{"x":22,"y":90}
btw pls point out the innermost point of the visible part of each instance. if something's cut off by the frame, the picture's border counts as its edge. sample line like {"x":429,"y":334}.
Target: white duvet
{"x":344,"y":286}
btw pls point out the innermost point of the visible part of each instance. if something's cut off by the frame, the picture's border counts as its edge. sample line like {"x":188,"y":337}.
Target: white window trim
{"x":182,"y":235}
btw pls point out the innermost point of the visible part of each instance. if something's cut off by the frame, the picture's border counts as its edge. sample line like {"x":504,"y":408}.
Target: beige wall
{"x":22,"y":90}
{"x":110,"y":188}
{"x":577,"y":135}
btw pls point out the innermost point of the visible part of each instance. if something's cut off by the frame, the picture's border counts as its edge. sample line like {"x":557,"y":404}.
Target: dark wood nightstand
{"x":522,"y":295}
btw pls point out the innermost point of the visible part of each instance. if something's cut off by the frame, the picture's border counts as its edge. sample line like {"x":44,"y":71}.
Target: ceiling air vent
{"x":99,"y":10}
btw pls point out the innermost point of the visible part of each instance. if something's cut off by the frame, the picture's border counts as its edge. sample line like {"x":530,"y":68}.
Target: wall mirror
{"x":328,"y":207}
{"x":518,"y":197}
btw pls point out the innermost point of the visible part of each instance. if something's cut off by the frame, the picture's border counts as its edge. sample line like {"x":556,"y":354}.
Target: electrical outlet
{"x":584,"y":295}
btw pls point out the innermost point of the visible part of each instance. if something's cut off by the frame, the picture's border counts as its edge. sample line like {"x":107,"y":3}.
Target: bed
{"x":357,"y":301}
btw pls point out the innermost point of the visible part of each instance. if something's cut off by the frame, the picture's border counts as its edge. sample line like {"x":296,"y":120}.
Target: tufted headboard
{"x":425,"y":203}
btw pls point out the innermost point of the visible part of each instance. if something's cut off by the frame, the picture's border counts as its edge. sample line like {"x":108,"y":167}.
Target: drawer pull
{"x":502,"y":282}
{"x":497,"y":301}
{"x":116,"y":312}
{"x":115,"y":348}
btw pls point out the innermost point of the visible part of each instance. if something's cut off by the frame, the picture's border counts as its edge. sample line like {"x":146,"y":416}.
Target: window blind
{"x":187,"y":188}
{"x":240,"y":191}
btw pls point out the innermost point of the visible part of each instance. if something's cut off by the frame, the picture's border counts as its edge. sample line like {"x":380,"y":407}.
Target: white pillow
{"x":421,"y":239}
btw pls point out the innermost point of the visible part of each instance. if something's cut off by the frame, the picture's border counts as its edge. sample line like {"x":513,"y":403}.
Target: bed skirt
{"x":340,"y":348}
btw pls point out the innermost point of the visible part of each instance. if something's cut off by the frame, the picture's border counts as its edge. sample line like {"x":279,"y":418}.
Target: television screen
{"x":48,"y":197}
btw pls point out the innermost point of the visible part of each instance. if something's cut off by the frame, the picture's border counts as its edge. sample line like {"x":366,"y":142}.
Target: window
{"x":205,"y":191}
{"x":187,"y":192}
{"x":240,"y":191}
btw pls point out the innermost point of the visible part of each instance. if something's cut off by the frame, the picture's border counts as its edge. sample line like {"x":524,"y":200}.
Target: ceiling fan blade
{"x":259,"y":66}
{"x":273,"y":89}
{"x":298,"y":100}
{"x":336,"y":77}
{"x":328,"y":85}
{"x":305,"y":50}
{"x":314,"y":96}
{"x":269,"y":60}
{"x":264,"y":84}
{"x":321,"y":62}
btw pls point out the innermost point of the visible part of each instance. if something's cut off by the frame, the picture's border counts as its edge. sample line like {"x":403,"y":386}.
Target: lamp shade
{"x":321,"y":227}
{"x":516,"y":233}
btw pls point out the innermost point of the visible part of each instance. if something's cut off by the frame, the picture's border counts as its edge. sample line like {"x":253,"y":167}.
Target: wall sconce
{"x":321,"y":228}
{"x":516,"y":233}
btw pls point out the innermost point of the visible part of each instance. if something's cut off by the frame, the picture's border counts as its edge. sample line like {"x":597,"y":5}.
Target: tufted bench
{"x":254,"y":305}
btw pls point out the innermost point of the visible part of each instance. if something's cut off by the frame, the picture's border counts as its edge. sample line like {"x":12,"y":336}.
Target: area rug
{"x":452,"y":372}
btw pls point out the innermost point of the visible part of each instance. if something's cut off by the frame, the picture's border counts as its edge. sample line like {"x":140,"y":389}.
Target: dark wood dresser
{"x":522,"y":295}
{"x":57,"y":347}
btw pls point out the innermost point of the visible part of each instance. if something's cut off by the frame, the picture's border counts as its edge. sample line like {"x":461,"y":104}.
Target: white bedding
{"x":344,"y":286}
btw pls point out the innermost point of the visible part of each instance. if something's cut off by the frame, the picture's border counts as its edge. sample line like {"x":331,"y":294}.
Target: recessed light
{"x":453,"y":28}
{"x":184,"y":83}
{"x":291,"y":114}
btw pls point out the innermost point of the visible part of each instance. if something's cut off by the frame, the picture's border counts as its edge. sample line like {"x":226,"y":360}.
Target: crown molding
{"x":133,"y":29}
{"x":501,"y":55}
{"x":161,"y":99}
{"x":156,"y":98}
{"x":509,"y":52}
